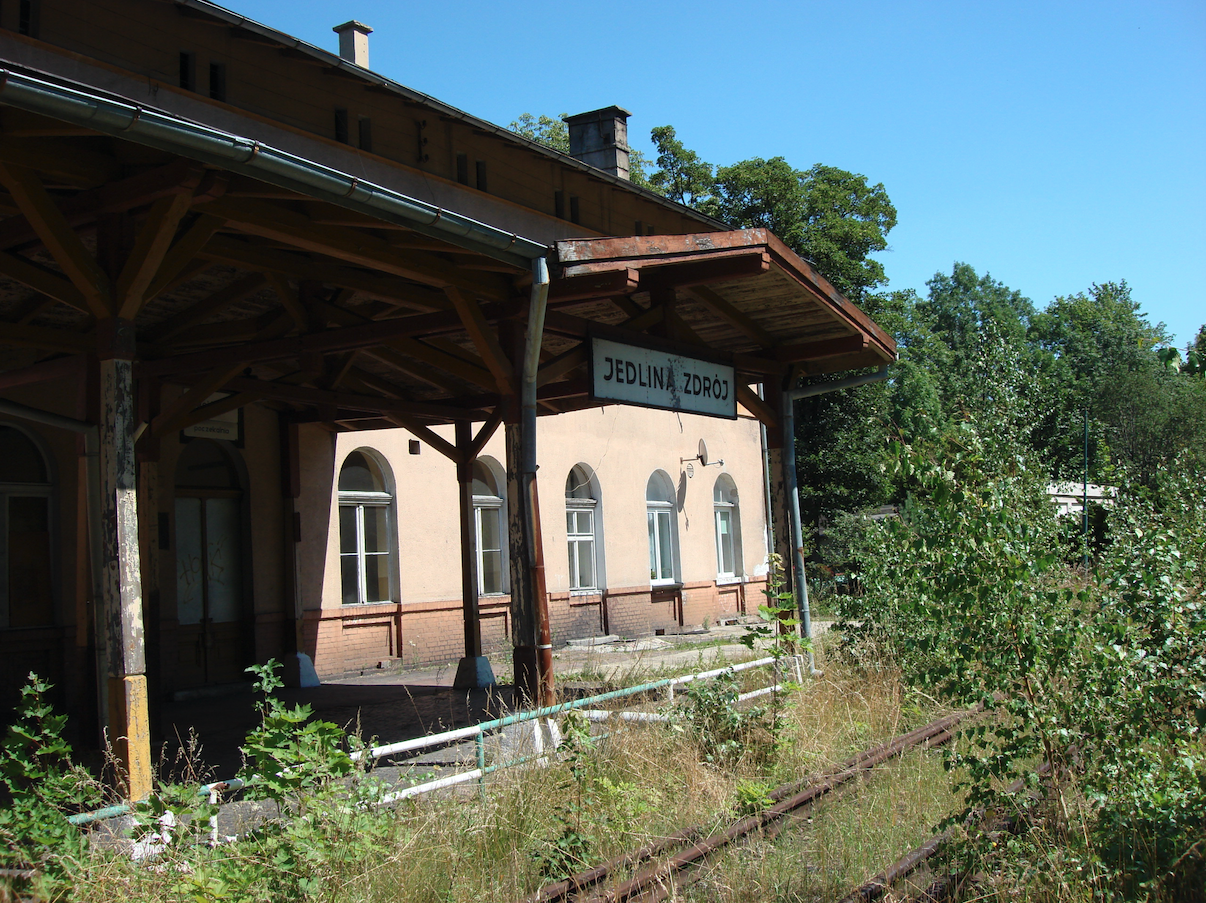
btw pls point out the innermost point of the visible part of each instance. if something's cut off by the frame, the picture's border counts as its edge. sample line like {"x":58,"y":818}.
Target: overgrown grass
{"x":601,"y":798}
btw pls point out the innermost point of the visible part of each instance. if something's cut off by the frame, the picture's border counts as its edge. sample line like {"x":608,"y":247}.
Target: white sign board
{"x":630,"y":374}
{"x":224,"y":426}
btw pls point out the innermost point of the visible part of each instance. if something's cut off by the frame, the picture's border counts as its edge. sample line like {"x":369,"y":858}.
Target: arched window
{"x":488,"y":516}
{"x":663,"y":529}
{"x":728,"y":527}
{"x":26,"y":599}
{"x":365,"y":529}
{"x":581,"y":521}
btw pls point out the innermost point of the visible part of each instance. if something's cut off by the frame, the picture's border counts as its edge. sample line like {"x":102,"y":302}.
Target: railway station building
{"x":299,"y":362}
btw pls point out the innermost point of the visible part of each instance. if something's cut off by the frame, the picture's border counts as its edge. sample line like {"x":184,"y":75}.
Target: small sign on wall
{"x":227,"y":426}
{"x":652,"y":378}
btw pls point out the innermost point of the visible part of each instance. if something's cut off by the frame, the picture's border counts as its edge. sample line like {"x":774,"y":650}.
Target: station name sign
{"x":630,"y":374}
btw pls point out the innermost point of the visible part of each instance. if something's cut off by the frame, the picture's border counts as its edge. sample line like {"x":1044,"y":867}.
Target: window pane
{"x":188,"y":560}
{"x":376,"y":531}
{"x":20,"y":460}
{"x":223,"y":554}
{"x":489,"y":537}
{"x":586,"y":564}
{"x":653,"y":568}
{"x":586,"y":523}
{"x":376,"y":577}
{"x":724,"y":541}
{"x":350,"y":569}
{"x":664,"y":537}
{"x":573,"y":563}
{"x":491,"y":575}
{"x":347,"y":529}
{"x":29,"y":600}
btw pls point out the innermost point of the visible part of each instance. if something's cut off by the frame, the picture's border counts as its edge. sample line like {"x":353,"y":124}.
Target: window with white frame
{"x":581,"y":511}
{"x":365,"y":530}
{"x":728,"y":528}
{"x":26,"y":596}
{"x":663,"y":541}
{"x":488,"y":515}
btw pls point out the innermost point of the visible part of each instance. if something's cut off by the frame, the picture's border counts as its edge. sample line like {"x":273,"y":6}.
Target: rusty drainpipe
{"x":531,"y":364}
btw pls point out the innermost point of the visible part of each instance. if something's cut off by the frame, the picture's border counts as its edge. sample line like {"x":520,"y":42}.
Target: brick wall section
{"x":357,"y":637}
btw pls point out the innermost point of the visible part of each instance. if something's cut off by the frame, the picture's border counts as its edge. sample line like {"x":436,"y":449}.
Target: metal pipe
{"x":527,"y":475}
{"x":848,"y":383}
{"x":122,"y":119}
{"x":794,"y":526}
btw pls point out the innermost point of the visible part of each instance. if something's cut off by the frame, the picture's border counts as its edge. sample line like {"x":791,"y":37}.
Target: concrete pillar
{"x":121,"y":572}
{"x":474,"y":669}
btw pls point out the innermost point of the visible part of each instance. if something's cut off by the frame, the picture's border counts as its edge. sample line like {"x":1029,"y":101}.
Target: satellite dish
{"x":703,"y":453}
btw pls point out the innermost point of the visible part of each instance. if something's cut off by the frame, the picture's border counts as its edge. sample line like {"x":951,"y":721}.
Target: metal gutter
{"x":155,"y":128}
{"x":334,"y":61}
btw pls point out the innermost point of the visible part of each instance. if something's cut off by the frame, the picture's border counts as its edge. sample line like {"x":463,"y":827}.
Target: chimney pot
{"x":600,"y":138}
{"x":353,"y":42}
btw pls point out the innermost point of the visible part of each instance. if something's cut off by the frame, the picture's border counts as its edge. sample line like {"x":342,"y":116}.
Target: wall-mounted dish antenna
{"x":701,"y":456}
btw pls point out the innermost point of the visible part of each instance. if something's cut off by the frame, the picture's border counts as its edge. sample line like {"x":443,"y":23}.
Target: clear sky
{"x":1051,"y":144}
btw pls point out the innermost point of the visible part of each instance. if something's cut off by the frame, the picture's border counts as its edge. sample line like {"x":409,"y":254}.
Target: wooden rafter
{"x":150,"y":247}
{"x":50,"y":339}
{"x":210,"y":307}
{"x":182,"y":254}
{"x":307,"y":395}
{"x":564,"y":363}
{"x":63,"y":161}
{"x":732,"y":315}
{"x":58,"y":236}
{"x":115,"y":197}
{"x":176,"y":415}
{"x":290,"y":300}
{"x":485,"y":339}
{"x":291,"y":263}
{"x":43,"y":280}
{"x":280,"y":223}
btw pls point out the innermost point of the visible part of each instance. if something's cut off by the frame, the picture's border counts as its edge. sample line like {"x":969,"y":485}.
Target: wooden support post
{"x":121,"y":585}
{"x":473,"y":670}
{"x":524,"y":626}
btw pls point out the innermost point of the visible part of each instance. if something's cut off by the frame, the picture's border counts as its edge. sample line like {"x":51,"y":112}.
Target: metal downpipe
{"x":799,"y":579}
{"x":531,"y":366}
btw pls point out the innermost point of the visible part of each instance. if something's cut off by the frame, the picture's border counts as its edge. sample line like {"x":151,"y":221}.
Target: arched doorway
{"x":214,"y":632}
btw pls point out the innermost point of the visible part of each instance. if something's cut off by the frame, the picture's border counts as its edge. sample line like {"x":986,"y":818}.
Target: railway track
{"x":658,"y":868}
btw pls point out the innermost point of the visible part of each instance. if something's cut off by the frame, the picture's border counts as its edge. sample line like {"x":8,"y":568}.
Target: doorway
{"x":214,"y":632}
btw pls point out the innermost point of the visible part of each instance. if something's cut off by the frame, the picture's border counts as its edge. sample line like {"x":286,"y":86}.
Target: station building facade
{"x":297,"y":359}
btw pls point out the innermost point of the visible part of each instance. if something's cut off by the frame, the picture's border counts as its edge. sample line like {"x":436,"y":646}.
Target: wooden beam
{"x":65,"y":161}
{"x":283,"y":224}
{"x":627,"y":306}
{"x":485,"y":338}
{"x":432,"y":438}
{"x":43,"y":280}
{"x":178,"y":259}
{"x":562,"y":364}
{"x":735,"y":317}
{"x":50,"y":339}
{"x":60,"y":368}
{"x":749,"y":400}
{"x":60,"y":239}
{"x":115,"y":197}
{"x":216,"y":409}
{"x":178,"y":411}
{"x":419,"y":351}
{"x":413,"y":369}
{"x":289,"y":300}
{"x":483,"y":435}
{"x":811,"y":351}
{"x":211,"y":306}
{"x":290,"y":263}
{"x":151,"y":246}
{"x":597,"y":285}
{"x":306,"y":395}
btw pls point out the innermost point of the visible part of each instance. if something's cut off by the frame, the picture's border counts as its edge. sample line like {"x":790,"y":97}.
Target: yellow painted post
{"x":121,"y":572}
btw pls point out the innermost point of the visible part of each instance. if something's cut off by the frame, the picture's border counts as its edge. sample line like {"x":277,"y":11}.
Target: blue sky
{"x":1052,"y":144}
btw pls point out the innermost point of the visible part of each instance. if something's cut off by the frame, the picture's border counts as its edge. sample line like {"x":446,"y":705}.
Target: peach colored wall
{"x":623,"y":446}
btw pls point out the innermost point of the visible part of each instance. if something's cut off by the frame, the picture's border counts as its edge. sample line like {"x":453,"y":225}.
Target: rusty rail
{"x":785,"y":799}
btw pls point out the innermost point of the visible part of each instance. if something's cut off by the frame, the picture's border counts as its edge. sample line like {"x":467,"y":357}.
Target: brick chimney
{"x":600,"y":139}
{"x":353,"y":42}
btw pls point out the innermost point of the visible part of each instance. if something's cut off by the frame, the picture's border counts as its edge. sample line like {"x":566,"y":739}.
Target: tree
{"x":681,"y":176}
